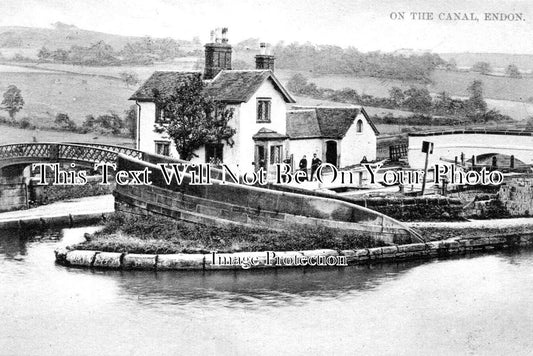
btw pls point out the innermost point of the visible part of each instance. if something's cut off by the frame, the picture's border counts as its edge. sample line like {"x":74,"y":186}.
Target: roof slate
{"x":232,"y":86}
{"x":162,"y":82}
{"x":238,"y":86}
{"x":321,"y":122}
{"x":302,"y":124}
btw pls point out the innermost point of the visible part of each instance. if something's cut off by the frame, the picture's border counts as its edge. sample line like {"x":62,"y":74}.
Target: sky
{"x":365,"y":24}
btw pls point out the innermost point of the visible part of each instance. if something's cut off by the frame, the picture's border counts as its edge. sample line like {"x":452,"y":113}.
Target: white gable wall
{"x":248,"y":125}
{"x":355,"y":145}
{"x":146,"y":135}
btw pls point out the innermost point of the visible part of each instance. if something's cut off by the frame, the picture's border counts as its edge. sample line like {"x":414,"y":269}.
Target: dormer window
{"x":263,"y":109}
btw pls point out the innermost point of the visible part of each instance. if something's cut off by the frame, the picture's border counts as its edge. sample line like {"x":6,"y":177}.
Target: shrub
{"x":25,"y":123}
{"x":63,"y":121}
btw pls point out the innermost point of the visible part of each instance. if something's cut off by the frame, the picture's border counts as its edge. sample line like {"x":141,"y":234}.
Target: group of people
{"x":315,"y":163}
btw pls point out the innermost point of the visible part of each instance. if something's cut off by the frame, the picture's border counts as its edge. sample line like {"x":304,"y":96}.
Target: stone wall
{"x":517,"y":196}
{"x":445,"y":248}
{"x":430,"y":208}
{"x":250,"y":206}
{"x":13,"y":196}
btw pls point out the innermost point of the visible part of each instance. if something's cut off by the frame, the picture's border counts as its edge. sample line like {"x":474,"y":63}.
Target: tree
{"x":297,"y":83}
{"x":193,"y":118}
{"x":482,"y":67}
{"x":476,"y":105}
{"x":13,"y":101}
{"x":418,"y":99}
{"x":60,"y":55}
{"x":513,"y":71}
{"x":130,"y":78}
{"x":451,"y":65}
{"x":396,"y":96}
{"x":130,"y":120}
{"x":44,"y":54}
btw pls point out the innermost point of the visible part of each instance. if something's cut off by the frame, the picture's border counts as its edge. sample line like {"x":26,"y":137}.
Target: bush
{"x":25,"y":123}
{"x":64,"y":122}
{"x":106,"y":124}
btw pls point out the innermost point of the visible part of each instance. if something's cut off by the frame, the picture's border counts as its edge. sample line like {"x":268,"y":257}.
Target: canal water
{"x":479,"y":305}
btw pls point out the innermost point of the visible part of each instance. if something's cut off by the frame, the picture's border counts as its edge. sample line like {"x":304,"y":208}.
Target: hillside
{"x":28,"y":40}
{"x":497,"y":60}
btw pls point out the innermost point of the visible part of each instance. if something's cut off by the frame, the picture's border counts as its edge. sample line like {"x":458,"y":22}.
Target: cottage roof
{"x":161,"y":82}
{"x":323,"y":122}
{"x":231,"y":86}
{"x":238,"y":86}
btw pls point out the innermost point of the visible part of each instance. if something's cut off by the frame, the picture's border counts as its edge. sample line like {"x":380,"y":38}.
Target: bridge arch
{"x":14,"y":158}
{"x":451,"y":144}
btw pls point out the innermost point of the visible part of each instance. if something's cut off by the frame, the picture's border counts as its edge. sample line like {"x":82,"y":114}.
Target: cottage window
{"x":162,"y":148}
{"x":214,"y":153}
{"x":263,"y":109}
{"x":359,"y":125}
{"x":275,"y":154}
{"x":160,"y":115}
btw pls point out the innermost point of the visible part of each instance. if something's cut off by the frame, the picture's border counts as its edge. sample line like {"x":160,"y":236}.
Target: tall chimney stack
{"x":217,"y":53}
{"x":264,"y":60}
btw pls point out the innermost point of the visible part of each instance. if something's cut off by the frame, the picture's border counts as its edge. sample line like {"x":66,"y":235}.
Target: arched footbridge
{"x":479,"y":143}
{"x":21,"y":155}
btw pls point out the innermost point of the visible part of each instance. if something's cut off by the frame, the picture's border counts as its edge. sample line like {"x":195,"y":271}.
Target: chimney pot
{"x":264,"y":60}
{"x":217,"y":54}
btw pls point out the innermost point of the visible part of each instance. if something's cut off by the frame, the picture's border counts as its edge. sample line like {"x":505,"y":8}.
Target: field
{"x":454,"y":83}
{"x":113,"y":72}
{"x":79,"y":91}
{"x":509,"y":96}
{"x":16,"y":135}
{"x":46,"y":94}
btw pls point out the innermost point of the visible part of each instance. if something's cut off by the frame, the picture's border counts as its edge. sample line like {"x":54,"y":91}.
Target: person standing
{"x":303,"y":166}
{"x":315,"y":163}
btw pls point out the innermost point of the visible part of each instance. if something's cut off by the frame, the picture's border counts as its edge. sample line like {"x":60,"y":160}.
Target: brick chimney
{"x":264,"y":60}
{"x":217,"y":53}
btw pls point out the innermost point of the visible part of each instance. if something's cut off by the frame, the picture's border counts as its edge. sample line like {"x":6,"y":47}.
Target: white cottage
{"x":266,"y":131}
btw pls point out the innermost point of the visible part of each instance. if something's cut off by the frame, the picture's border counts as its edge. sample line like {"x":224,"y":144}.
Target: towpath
{"x":102,"y":204}
{"x":475,"y":224}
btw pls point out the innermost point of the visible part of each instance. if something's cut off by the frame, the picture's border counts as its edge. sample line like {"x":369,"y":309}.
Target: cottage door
{"x":260,"y":157}
{"x":331,"y":152}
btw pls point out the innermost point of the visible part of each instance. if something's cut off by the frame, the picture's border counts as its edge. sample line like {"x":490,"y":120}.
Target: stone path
{"x":81,"y":206}
{"x":476,"y":224}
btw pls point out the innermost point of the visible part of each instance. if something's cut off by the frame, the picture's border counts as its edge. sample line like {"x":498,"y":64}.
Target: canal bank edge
{"x":44,"y":222}
{"x":205,"y":262}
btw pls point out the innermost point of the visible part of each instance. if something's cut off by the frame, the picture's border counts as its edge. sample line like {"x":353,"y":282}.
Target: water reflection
{"x":454,"y":306}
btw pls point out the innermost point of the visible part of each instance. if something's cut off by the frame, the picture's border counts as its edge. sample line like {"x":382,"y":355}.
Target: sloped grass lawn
{"x":160,"y":235}
{"x":157,"y":234}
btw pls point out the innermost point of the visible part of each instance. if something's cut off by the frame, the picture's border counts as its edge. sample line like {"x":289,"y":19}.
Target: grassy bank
{"x":160,"y":235}
{"x":154,"y":234}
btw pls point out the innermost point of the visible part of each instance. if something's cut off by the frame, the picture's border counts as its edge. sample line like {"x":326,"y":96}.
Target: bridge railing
{"x":37,"y":150}
{"x":131,"y":152}
{"x":66,"y":151}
